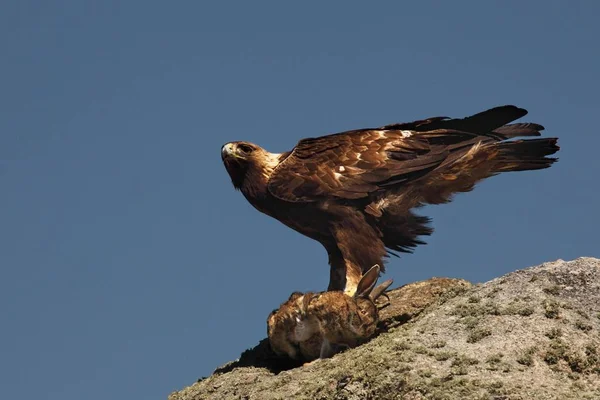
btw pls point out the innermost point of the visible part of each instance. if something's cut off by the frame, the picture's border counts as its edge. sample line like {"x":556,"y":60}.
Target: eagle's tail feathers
{"x":520,"y":129}
{"x":525,"y":155}
{"x":463,"y":169}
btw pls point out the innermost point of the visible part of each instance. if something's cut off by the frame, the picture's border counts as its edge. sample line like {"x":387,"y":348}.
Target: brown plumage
{"x":354,"y":191}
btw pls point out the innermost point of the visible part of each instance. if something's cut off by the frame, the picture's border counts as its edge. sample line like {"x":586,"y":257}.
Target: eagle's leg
{"x":337,"y":278}
{"x":337,"y":272}
{"x":353,"y":275}
{"x":358,"y":246}
{"x":343,"y":275}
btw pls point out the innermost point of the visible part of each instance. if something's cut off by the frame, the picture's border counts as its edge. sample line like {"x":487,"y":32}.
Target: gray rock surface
{"x":531,"y":334}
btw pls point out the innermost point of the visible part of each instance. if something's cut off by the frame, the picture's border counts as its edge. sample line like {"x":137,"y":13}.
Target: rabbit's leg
{"x":326,"y":349}
{"x":329,"y":349}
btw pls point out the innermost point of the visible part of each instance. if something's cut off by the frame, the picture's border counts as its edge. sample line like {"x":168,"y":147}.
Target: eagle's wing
{"x":351,"y":164}
{"x":355,"y":164}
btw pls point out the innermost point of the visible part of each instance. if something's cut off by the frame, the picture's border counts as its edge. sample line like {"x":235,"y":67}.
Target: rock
{"x":531,"y":334}
{"x":408,"y":301}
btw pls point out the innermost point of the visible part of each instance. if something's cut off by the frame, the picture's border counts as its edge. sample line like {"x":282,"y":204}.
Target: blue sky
{"x":129,"y":265}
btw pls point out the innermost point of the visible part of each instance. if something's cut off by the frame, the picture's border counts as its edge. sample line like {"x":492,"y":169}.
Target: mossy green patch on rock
{"x":477,"y":334}
{"x":551,"y":309}
{"x":584,"y":326}
{"x":554,"y":333}
{"x":553,"y":290}
{"x":526,"y":358}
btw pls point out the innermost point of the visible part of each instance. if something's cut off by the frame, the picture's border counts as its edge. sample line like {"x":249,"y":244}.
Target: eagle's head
{"x":248,"y":164}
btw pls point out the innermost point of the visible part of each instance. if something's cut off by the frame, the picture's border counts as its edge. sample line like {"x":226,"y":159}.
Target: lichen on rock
{"x":531,"y":334}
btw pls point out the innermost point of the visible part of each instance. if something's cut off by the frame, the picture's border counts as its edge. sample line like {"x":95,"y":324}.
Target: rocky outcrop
{"x":531,"y":334}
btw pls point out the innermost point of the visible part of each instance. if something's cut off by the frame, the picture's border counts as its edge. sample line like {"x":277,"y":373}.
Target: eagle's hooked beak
{"x":228,"y":150}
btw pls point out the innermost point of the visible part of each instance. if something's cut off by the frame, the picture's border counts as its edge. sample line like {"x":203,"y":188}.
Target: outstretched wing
{"x":356,"y":164}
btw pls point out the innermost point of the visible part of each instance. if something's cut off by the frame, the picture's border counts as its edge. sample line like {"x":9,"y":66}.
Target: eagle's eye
{"x":244,"y":148}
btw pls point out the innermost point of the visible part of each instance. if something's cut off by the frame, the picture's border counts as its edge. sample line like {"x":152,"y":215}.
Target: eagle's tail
{"x":524,"y":155}
{"x":476,"y":147}
{"x":401,"y":230}
{"x":520,"y":129}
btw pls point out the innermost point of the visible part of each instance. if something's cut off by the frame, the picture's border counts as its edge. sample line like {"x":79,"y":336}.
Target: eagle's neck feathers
{"x":254,"y":186}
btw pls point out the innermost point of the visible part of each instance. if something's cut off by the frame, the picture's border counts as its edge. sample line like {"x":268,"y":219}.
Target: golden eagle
{"x":353,"y":191}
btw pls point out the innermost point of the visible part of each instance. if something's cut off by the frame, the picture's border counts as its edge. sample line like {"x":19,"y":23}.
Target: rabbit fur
{"x":318,"y":325}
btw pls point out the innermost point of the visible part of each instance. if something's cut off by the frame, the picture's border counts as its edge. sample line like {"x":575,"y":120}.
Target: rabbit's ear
{"x":378,"y":291}
{"x":367,"y":282}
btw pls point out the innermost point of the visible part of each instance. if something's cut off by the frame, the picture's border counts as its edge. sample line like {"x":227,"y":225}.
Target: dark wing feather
{"x":480,"y":123}
{"x":360,"y":163}
{"x":352,"y":165}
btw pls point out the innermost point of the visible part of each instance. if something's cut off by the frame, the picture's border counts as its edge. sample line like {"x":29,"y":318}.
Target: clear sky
{"x":129,"y":265}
